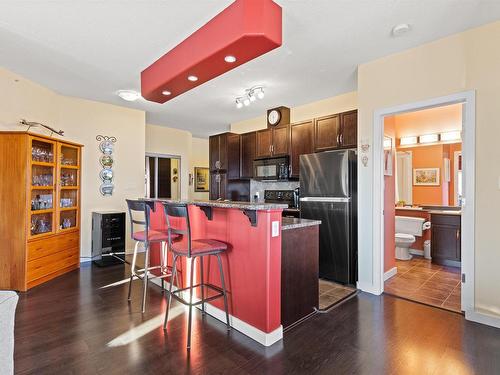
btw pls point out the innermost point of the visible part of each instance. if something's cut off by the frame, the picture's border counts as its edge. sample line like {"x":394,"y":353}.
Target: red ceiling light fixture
{"x":242,"y":32}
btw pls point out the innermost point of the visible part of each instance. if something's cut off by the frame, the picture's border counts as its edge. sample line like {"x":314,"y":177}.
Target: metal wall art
{"x":106,"y":146}
{"x":32,"y":124}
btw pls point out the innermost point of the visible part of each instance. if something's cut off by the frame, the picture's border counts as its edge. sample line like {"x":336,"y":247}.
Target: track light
{"x":251,"y":95}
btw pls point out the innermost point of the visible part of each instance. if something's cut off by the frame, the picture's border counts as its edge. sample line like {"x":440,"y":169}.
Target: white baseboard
{"x":392,"y":272}
{"x":483,"y":318}
{"x":417,"y":252}
{"x":264,"y":338}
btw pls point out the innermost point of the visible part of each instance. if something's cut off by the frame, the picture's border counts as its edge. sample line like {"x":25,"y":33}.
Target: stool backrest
{"x":135,"y":207}
{"x":178,"y":210}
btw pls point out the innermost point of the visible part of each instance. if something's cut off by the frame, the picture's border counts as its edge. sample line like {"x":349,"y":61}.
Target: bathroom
{"x":422,"y":206}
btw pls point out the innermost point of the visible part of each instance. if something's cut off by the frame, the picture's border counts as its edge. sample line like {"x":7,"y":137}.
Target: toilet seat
{"x":403,"y":237}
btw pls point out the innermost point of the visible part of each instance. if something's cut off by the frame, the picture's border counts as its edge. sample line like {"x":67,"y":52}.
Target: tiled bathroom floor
{"x":420,"y":280}
{"x":331,"y":293}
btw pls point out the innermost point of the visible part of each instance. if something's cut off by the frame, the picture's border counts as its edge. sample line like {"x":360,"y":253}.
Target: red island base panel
{"x":252,"y":267}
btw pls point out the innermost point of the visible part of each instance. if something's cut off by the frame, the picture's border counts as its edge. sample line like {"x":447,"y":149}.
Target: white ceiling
{"x":90,"y":49}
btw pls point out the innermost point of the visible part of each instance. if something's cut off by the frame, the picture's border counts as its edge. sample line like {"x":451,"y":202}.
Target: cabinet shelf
{"x":70,"y":187}
{"x":73,"y":208}
{"x":49,"y":187}
{"x":39,"y":212}
{"x":64,"y":166}
{"x":42,"y":163}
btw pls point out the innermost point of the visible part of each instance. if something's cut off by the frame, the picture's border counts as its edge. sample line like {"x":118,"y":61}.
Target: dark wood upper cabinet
{"x":349,"y":134}
{"x":281,"y":140}
{"x":264,"y":141}
{"x":301,"y":142}
{"x":213,"y":152}
{"x":247,"y":152}
{"x":327,"y":133}
{"x":232,"y":159}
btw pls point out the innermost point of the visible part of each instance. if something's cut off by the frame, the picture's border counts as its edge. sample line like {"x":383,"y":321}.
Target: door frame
{"x":468,"y":99}
{"x":166,"y":156}
{"x":409,"y":174}
{"x":456,"y":156}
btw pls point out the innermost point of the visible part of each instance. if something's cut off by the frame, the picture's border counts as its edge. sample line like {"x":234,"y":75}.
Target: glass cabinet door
{"x":68,"y":186}
{"x":42,"y":191}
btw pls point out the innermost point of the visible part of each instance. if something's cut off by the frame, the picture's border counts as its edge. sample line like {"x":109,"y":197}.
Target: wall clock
{"x":278,"y":116}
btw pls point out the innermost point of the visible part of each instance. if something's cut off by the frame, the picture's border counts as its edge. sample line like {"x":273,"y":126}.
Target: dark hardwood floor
{"x":76,"y":325}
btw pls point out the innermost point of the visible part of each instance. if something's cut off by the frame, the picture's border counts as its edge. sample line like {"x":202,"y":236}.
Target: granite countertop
{"x":294,"y":223}
{"x":260,"y":206}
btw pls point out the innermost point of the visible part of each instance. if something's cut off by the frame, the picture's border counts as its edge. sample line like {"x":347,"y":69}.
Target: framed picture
{"x":201,"y":179}
{"x":426,"y":177}
{"x":388,"y":156}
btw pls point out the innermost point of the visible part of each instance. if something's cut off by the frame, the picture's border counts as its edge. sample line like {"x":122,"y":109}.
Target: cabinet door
{"x":233,"y":156}
{"x":349,"y":134}
{"x":281,"y":140}
{"x":214,"y":186}
{"x":301,"y":142}
{"x":264,"y":140}
{"x":223,"y":151}
{"x":247,"y":142}
{"x":213,"y":152}
{"x":446,"y":242}
{"x":327,"y":133}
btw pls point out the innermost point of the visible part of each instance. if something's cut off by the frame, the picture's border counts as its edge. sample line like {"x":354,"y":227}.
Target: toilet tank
{"x":409,"y":225}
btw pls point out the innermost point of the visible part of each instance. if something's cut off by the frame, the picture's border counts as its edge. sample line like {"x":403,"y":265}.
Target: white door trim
{"x":456,"y":155}
{"x":468,"y":98}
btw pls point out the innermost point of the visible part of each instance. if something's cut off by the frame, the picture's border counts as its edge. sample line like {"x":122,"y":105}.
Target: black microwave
{"x":271,"y":168}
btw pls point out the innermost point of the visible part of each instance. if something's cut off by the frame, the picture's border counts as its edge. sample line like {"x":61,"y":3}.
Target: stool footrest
{"x":220,"y":293}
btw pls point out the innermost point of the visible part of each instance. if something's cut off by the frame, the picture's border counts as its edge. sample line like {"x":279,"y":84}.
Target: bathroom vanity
{"x":446,"y":238}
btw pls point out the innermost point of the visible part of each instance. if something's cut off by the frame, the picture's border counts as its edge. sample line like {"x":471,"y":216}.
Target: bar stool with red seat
{"x":146,"y":236}
{"x":192,"y":249}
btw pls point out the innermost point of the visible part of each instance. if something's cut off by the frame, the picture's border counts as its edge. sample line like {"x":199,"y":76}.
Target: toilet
{"x":406,"y":229}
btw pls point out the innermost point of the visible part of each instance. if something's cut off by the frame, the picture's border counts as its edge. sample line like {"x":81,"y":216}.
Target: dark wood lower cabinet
{"x":299,"y":273}
{"x":446,"y":240}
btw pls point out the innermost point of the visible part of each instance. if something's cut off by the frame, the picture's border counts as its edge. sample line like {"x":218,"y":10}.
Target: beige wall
{"x":170,"y":141}
{"x":82,"y":120}
{"x":466,"y":61}
{"x":336,"y":104}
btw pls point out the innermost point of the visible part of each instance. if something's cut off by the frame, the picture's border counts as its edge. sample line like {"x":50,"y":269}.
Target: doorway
{"x":467,"y":99}
{"x":162,"y":176}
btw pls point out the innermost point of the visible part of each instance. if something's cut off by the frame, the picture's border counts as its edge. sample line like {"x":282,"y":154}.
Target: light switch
{"x":275,"y":229}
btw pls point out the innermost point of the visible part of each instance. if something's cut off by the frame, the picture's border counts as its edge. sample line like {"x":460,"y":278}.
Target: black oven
{"x":271,"y":169}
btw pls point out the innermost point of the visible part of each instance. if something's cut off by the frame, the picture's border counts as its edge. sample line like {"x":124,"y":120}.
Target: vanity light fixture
{"x":428,"y":138}
{"x":406,"y":141}
{"x":450,"y":136}
{"x":251,"y":95}
{"x":128,"y":95}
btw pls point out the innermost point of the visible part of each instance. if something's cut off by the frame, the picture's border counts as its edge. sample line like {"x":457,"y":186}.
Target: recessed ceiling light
{"x":230,"y":59}
{"x":128,"y":95}
{"x":401,"y":29}
{"x":166,"y":92}
{"x":193,"y":78}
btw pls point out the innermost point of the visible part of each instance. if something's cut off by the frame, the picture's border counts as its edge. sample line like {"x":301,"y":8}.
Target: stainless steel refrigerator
{"x":328,"y":192}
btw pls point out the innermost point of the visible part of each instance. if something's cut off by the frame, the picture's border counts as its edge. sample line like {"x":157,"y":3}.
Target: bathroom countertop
{"x":444,"y":212}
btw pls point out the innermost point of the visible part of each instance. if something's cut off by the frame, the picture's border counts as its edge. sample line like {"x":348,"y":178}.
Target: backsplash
{"x":259,"y":187}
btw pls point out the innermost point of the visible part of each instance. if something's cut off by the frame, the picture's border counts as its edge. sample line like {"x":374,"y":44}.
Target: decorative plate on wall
{"x":106,"y":174}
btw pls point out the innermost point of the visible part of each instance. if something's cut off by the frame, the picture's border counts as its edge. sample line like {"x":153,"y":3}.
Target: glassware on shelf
{"x":68,"y":179}
{"x":66,"y":202}
{"x":41,"y":224}
{"x":42,"y":180}
{"x":42,"y":154}
{"x":41,"y":202}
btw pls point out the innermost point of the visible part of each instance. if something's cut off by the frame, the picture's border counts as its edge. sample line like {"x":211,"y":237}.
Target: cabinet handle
{"x":272,"y":148}
{"x":341,"y":138}
{"x":338,"y":138}
{"x":458,"y":234}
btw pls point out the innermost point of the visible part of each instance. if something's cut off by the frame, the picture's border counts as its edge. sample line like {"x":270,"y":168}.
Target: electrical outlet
{"x":275,"y":229}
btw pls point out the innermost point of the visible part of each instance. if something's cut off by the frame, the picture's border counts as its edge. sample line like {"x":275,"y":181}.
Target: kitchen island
{"x":252,"y":264}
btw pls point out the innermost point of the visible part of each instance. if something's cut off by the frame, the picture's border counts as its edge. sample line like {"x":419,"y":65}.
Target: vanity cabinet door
{"x":446,"y":240}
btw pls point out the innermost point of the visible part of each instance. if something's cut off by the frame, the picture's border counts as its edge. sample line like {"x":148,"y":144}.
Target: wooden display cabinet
{"x":39,"y":208}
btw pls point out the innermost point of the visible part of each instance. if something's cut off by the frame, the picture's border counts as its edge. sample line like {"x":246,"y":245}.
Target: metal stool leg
{"x":190,"y":301}
{"x":169,"y":300}
{"x":202,"y":287}
{"x":224,"y":290}
{"x":132,"y":270}
{"x":145,"y":277}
